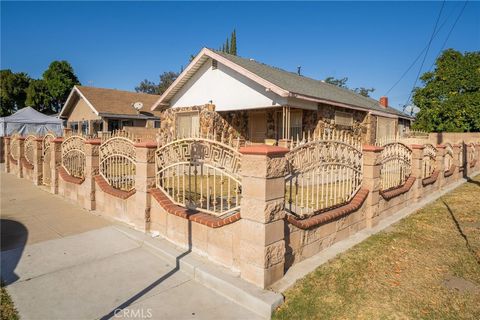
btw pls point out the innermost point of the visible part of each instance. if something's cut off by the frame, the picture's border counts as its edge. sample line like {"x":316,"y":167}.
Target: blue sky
{"x":118,"y":44}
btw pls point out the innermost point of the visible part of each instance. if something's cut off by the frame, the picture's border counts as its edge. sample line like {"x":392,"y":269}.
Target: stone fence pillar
{"x":56,"y":161}
{"x":417,"y":162}
{"x":440,"y":165}
{"x":21,"y":155}
{"x":91,"y":170}
{"x":37,"y":159}
{"x":372,"y":181}
{"x":144,"y":181}
{"x":6,"y":140}
{"x":262,"y":239}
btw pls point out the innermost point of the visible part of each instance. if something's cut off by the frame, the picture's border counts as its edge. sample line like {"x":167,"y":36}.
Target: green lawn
{"x":425,"y":267}
{"x":7,"y":310}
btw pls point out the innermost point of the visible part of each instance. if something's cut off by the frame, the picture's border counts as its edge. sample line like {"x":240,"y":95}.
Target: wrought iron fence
{"x":201,"y":173}
{"x":46,"y":158}
{"x":428,"y":160}
{"x":471,"y":153}
{"x":117,"y":160}
{"x":323,"y":171}
{"x":73,"y":155}
{"x":396,"y":165}
{"x":448,"y":157}
{"x":29,"y":148}
{"x":15,"y":147}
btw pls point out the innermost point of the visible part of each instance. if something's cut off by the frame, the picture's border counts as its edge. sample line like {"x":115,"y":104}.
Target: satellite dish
{"x":138,"y":105}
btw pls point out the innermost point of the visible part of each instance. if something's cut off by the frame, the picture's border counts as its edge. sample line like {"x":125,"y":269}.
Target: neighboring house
{"x":254,"y":101}
{"x":90,"y":110}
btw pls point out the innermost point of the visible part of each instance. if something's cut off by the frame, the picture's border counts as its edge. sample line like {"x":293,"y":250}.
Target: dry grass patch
{"x":426,"y":267}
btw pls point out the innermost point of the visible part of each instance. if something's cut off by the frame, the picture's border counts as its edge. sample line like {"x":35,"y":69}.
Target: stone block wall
{"x":261,"y":241}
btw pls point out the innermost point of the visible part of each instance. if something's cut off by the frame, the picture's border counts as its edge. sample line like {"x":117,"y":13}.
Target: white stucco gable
{"x":225,"y":88}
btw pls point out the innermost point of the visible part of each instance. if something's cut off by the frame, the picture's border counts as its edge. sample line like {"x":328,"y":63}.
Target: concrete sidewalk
{"x":61,"y":262}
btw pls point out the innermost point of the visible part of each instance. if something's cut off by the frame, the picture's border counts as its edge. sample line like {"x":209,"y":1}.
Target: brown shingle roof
{"x":112,"y":101}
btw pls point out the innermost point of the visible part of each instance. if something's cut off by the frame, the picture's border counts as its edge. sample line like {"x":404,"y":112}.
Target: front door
{"x":258,"y":126}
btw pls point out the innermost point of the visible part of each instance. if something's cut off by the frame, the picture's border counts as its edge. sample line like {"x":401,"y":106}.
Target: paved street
{"x":62,"y":262}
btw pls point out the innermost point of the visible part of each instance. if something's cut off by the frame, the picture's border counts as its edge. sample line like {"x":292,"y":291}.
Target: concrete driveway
{"x":61,"y":262}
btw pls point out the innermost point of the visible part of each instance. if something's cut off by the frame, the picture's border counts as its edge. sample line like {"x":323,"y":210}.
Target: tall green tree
{"x":60,"y":79}
{"x":166,"y":79}
{"x":12,"y":91}
{"x":450,"y":97}
{"x":233,"y":43}
{"x":227,"y":46}
{"x":38,"y":96}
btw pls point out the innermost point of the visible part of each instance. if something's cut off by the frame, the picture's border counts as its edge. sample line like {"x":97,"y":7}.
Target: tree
{"x":450,"y":97}
{"x":147,"y":86}
{"x":342,"y":83}
{"x":364,"y":91}
{"x":60,"y":79}
{"x":38,"y":96}
{"x":227,"y":46}
{"x":233,"y":43}
{"x":12,"y":91}
{"x":166,"y":79}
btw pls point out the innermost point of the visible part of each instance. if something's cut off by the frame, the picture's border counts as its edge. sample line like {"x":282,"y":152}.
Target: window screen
{"x":343,"y":118}
{"x":188,"y":124}
{"x":385,"y":127}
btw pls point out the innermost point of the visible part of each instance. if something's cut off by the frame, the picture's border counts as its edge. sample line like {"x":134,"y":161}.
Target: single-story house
{"x":90,"y":110}
{"x":257,"y":102}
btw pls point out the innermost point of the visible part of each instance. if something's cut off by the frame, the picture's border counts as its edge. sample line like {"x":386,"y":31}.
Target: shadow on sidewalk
{"x":14,"y":236}
{"x":141,"y":293}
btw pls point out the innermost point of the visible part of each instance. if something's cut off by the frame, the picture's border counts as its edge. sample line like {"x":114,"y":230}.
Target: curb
{"x":224,"y":282}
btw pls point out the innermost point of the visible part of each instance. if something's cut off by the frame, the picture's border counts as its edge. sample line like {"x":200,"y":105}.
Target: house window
{"x":156,"y":124}
{"x":127,"y":123}
{"x":74,"y":126}
{"x":187,"y":124}
{"x":114,"y":125}
{"x":343,"y":118}
{"x":385,"y":128}
{"x":295,"y":125}
{"x":85,"y":127}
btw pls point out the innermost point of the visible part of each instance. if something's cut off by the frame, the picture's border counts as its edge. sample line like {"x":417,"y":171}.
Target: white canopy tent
{"x":29,"y":121}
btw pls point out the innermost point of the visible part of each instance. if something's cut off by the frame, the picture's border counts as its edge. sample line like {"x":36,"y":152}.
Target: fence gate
{"x":324,"y":171}
{"x":46,"y":158}
{"x":201,"y":174}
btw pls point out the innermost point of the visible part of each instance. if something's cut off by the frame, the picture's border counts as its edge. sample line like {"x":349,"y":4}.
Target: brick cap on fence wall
{"x":431,"y":179}
{"x":107,"y":188}
{"x":441,"y":146}
{"x":367,"y":147}
{"x":331,"y":215}
{"x":417,"y":146}
{"x":146,"y":144}
{"x":263,"y":149}
{"x":94,"y":142}
{"x":26,"y":164}
{"x":392,"y":193}
{"x":59,"y":139}
{"x":189,"y":214}
{"x":449,"y":172}
{"x":68,"y":178}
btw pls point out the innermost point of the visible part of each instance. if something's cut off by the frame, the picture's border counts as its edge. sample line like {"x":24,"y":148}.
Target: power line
{"x":418,"y":56}
{"x":448,"y":35}
{"x":425,"y":56}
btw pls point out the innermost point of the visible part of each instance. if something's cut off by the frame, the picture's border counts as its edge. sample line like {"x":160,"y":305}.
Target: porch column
{"x":56,"y":161}
{"x":285,"y":138}
{"x":6,"y":140}
{"x":91,"y":170}
{"x":37,"y":159}
{"x":262,"y":238}
{"x":144,"y":181}
{"x":372,"y":181}
{"x":417,"y":161}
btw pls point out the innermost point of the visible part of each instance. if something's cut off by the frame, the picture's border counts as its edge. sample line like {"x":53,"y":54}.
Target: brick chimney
{"x":384,"y":101}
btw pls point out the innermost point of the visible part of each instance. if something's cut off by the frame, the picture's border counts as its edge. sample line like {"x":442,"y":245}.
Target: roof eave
{"x":75,"y":89}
